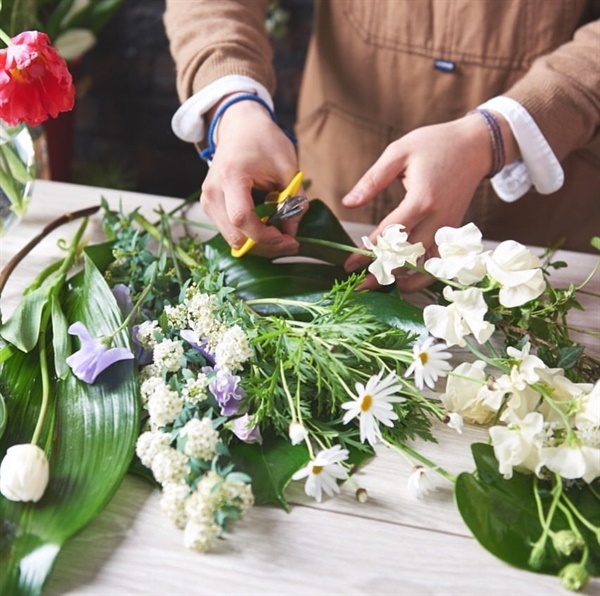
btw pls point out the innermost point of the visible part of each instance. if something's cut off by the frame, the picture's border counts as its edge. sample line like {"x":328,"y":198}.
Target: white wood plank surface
{"x":393,"y":544}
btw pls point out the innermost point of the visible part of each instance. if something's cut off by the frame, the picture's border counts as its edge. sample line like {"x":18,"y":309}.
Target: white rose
{"x":24,"y":473}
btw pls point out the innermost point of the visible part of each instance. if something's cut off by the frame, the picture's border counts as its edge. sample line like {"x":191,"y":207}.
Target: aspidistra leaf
{"x":89,"y":436}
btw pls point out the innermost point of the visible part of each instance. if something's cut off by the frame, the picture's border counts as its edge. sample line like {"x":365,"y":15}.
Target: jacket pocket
{"x":488,"y":33}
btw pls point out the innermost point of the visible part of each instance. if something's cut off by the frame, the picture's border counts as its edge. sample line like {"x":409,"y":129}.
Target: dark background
{"x":126,"y":98}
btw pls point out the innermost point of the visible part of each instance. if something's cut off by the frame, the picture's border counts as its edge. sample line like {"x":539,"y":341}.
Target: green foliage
{"x":88,"y":436}
{"x":503,"y":516}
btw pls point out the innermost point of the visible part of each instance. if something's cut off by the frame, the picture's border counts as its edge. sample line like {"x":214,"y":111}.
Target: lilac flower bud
{"x":225,"y":387}
{"x":24,"y":473}
{"x":244,"y":430}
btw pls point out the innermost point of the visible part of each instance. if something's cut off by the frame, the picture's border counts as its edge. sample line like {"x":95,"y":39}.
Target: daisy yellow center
{"x":423,"y":357}
{"x":317,"y":469}
{"x":365,"y":404}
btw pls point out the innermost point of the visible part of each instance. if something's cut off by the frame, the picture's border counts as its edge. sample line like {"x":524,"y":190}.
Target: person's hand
{"x":252,"y":152}
{"x":440,"y":167}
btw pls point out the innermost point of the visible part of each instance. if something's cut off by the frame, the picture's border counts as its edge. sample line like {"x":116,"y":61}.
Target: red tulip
{"x":35,"y":83}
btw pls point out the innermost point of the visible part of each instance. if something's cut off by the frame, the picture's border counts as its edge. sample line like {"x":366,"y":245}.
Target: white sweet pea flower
{"x":565,"y":394}
{"x":518,"y":444}
{"x":392,"y":251}
{"x":517,"y":271}
{"x":463,"y":396}
{"x":572,"y":461}
{"x":461,"y":255}
{"x":463,"y":316}
{"x":588,"y":408}
{"x":24,"y":473}
{"x":323,"y":472}
{"x":526,"y":368}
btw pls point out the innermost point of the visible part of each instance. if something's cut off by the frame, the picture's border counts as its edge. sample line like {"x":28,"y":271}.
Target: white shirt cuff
{"x":188,"y":122}
{"x":538,"y":165}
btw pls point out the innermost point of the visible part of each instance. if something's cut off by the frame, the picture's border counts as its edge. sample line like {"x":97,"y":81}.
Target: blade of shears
{"x":278,"y":198}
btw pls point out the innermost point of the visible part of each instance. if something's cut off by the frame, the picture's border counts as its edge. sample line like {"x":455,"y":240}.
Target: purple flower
{"x":142,"y":355}
{"x":94,"y":356}
{"x":245,"y":431}
{"x":229,"y":394}
{"x":202,"y":346}
{"x":123,"y":297}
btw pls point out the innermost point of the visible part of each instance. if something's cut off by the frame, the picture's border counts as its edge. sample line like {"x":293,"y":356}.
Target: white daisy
{"x":373,"y":404}
{"x":323,"y":472}
{"x":429,"y":363}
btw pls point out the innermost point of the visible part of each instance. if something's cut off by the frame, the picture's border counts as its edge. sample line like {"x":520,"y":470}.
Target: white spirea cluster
{"x":168,"y":355}
{"x":201,"y":438}
{"x":176,"y":316}
{"x":163,"y":405}
{"x":233,"y":349}
{"x":169,"y":466}
{"x":146,"y":334}
{"x":202,"y":312}
{"x":150,"y":444}
{"x":195,"y":390}
{"x":172,"y":503}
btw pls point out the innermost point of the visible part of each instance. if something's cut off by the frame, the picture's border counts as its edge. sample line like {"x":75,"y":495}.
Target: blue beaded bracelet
{"x":208,"y":153}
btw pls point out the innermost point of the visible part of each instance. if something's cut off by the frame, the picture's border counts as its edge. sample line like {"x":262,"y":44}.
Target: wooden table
{"x":393,"y":544}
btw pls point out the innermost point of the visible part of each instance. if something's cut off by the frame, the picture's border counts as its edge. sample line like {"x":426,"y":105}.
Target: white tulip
{"x":24,"y":473}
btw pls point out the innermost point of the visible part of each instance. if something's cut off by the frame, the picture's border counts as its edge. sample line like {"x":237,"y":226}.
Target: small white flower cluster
{"x":182,"y":444}
{"x":549,"y":422}
{"x":197,"y":511}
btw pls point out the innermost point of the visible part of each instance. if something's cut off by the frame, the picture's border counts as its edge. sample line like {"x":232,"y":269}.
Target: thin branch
{"x":63,"y":219}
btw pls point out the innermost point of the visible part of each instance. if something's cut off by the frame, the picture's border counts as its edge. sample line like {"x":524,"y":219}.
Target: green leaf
{"x":389,"y":308}
{"x":271,"y":467}
{"x":23,"y":328}
{"x":258,"y":277}
{"x":88,"y":435}
{"x":502,"y":514}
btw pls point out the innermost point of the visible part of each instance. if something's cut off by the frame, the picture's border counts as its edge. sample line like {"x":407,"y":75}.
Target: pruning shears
{"x":288,"y":205}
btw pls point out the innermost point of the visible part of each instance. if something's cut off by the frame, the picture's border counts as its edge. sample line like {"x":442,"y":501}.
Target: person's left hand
{"x":440,"y":166}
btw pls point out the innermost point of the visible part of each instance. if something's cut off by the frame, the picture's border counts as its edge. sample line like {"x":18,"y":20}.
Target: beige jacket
{"x":370,"y":78}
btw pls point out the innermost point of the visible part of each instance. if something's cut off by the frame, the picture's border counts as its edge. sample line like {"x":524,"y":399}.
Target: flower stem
{"x":404,"y":449}
{"x":45,"y":388}
{"x":329,"y":244}
{"x":5,"y":37}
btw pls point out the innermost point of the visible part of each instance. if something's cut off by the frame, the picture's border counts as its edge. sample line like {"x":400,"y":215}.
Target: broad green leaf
{"x":502,"y":514}
{"x":23,"y":328}
{"x":271,"y":467}
{"x":89,"y":437}
{"x":257,"y":277}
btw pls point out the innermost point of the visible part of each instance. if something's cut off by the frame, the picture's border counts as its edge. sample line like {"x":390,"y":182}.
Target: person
{"x":387,"y":131}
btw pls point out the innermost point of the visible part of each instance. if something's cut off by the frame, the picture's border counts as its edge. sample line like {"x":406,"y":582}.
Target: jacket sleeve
{"x":561,"y":91}
{"x":210,"y":39}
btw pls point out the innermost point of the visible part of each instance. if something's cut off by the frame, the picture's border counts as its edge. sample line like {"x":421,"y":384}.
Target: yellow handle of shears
{"x":275,"y":197}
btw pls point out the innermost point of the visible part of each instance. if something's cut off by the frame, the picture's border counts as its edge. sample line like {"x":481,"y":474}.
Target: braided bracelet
{"x":208,"y":153}
{"x":498,"y":155}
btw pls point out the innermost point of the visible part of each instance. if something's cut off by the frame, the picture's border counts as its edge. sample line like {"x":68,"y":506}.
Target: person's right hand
{"x":252,"y":152}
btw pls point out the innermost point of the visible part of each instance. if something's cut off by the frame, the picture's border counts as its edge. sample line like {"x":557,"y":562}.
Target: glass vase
{"x":17,"y":173}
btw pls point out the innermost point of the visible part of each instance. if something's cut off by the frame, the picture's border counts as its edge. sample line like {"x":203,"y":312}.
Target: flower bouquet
{"x":223,"y":380}
{"x":35,"y":84}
